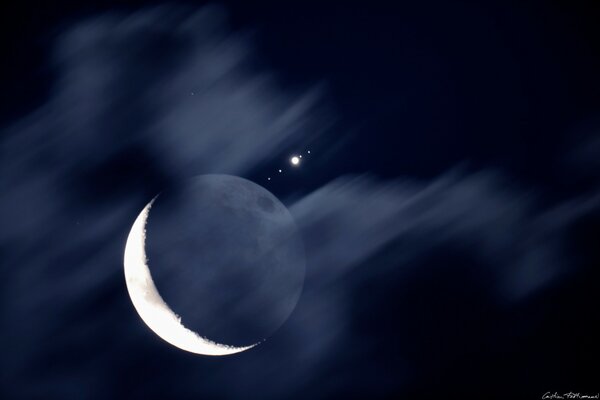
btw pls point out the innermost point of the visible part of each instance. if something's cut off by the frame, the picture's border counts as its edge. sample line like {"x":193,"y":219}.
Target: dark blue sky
{"x":449,"y":206}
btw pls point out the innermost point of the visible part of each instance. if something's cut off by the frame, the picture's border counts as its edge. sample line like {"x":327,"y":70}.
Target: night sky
{"x":449,"y":207}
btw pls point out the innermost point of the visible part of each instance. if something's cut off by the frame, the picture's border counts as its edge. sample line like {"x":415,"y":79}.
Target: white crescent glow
{"x":151,"y":307}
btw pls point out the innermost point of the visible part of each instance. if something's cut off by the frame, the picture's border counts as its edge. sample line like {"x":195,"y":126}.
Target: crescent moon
{"x":149,"y":304}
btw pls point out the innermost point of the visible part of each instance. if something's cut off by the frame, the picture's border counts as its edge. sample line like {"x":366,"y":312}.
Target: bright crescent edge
{"x":149,"y":304}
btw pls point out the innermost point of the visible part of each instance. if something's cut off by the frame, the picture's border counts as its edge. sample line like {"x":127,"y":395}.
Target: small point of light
{"x":300,"y":156}
{"x":308,"y":152}
{"x":280,"y":171}
{"x":269,"y":178}
{"x":295,"y":160}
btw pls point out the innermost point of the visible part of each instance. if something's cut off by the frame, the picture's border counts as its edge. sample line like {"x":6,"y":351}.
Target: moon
{"x":231,"y":214}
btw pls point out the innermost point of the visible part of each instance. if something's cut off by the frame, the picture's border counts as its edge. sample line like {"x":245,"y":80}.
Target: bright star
{"x":295,"y":160}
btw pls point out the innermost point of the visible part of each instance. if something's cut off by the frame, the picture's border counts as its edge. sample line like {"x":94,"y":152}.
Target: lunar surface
{"x":219,"y":267}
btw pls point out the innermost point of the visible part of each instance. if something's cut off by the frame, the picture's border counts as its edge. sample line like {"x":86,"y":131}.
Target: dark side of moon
{"x":226,"y":256}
